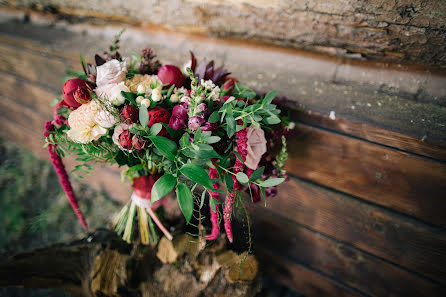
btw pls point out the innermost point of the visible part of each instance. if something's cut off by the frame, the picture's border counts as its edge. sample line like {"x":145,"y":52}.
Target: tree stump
{"x":104,"y":265}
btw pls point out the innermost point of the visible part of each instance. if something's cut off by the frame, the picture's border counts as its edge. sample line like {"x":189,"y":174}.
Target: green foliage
{"x":185,"y":200}
{"x":163,"y":186}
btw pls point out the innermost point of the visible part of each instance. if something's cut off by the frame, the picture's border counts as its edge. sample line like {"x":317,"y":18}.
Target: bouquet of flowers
{"x":184,"y":131}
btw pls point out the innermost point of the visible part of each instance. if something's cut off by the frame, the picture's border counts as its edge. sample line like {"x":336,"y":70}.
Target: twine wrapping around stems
{"x":146,"y":204}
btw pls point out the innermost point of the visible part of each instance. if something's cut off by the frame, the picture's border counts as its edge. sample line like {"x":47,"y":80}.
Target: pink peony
{"x":256,"y":146}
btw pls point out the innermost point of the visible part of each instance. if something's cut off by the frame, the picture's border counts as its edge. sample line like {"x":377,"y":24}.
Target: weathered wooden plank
{"x":371,"y":133}
{"x":303,"y":280}
{"x":337,"y":260}
{"x":27,"y":94}
{"x":391,"y":236}
{"x":38,"y":68}
{"x":401,"y":181}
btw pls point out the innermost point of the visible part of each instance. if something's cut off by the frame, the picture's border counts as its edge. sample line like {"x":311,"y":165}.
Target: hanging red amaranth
{"x":214,"y":214}
{"x":242,"y":146}
{"x":63,"y":176}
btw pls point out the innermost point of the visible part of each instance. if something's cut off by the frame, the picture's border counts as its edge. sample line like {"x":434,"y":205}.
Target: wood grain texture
{"x":398,"y":180}
{"x":337,"y":260}
{"x":301,"y":278}
{"x":396,"y":238}
{"x":371,"y":133}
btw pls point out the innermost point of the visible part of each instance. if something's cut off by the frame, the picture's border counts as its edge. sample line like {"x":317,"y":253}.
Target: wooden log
{"x":398,"y":180}
{"x":104,"y":265}
{"x":388,"y":235}
{"x":335,"y":259}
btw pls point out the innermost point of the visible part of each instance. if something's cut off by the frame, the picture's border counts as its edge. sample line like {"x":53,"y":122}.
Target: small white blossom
{"x":208,"y":84}
{"x":174,"y":98}
{"x":215,"y":94}
{"x":156,"y":95}
{"x":145,"y":102}
{"x":141,"y":89}
{"x":139,"y":99}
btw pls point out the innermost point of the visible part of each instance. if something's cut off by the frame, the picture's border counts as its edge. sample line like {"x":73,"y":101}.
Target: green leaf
{"x":155,"y":129}
{"x":242,"y":178}
{"x":166,"y":146}
{"x":170,"y":91}
{"x":214,"y":203}
{"x":214,"y":117}
{"x":230,"y":129}
{"x":212,"y":139}
{"x":130,"y":97}
{"x":176,"y":134}
{"x":272,"y":120}
{"x":185,"y":200}
{"x":229,"y":182}
{"x":163,"y":186}
{"x":203,"y":196}
{"x":262,"y":191}
{"x":143,"y":116}
{"x":271,"y":182}
{"x":197,"y":175}
{"x":269,"y":97}
{"x":257,"y":174}
{"x":239,"y":157}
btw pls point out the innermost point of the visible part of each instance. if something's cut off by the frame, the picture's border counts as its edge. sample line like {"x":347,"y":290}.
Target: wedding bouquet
{"x":184,"y":131}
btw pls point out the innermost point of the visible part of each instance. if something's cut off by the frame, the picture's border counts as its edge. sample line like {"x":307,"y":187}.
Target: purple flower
{"x":209,"y":127}
{"x":179,"y":117}
{"x":202,"y":108}
{"x":195,"y":123}
{"x":271,"y":192}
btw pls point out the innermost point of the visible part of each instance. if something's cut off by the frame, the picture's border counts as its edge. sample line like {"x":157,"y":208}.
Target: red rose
{"x":82,"y":95}
{"x":172,"y":75}
{"x":125,"y":140}
{"x":130,"y":114}
{"x":72,"y":86}
{"x":159,"y":115}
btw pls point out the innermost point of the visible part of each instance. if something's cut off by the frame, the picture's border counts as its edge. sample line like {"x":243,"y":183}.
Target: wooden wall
{"x":363,"y":214}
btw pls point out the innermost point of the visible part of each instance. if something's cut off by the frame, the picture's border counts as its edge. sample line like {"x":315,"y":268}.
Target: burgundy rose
{"x":125,"y":140}
{"x":138,"y":142}
{"x":170,"y":74}
{"x":158,"y":115}
{"x":195,"y":123}
{"x":179,"y":117}
{"x":70,"y":87}
{"x":82,"y":95}
{"x":129,"y":114}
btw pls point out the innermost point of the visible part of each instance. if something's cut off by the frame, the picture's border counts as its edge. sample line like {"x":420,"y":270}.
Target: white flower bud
{"x":141,"y":89}
{"x":156,"y":95}
{"x":139,"y":99}
{"x":174,"y":98}
{"x":145,"y":102}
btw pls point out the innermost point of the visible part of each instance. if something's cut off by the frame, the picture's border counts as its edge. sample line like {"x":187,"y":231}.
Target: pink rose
{"x":256,"y":146}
